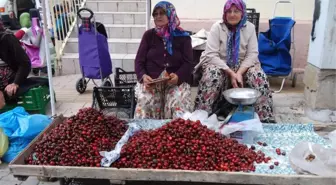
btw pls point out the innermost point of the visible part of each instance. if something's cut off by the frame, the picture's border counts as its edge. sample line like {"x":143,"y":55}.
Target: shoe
{"x":268,"y":121}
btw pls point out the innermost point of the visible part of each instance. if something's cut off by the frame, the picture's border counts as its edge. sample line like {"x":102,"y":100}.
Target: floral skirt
{"x":214,"y":81}
{"x":6,"y":75}
{"x":169,"y":102}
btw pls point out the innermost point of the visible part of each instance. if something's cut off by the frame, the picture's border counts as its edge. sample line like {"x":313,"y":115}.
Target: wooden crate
{"x":19,"y":169}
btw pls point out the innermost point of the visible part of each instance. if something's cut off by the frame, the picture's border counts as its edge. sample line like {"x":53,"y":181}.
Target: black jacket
{"x":23,"y":4}
{"x":12,"y":53}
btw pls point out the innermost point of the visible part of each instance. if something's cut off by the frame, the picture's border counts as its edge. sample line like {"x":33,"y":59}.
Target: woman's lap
{"x":214,"y":81}
{"x":177,"y":100}
{"x":6,"y":77}
{"x":257,"y":79}
{"x":210,"y":87}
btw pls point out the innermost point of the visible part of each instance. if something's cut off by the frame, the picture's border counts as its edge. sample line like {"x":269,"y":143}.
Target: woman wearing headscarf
{"x":164,"y":51}
{"x":14,"y":65}
{"x":231,"y":60}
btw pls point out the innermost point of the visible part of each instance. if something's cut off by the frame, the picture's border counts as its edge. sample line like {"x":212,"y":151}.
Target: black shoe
{"x":268,"y":121}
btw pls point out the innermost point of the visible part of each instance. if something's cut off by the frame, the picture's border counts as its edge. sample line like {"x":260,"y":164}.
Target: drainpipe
{"x":148,"y":14}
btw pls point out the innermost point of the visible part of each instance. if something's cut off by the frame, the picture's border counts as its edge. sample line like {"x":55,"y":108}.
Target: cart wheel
{"x":107,"y":83}
{"x":81,"y":85}
{"x":294,"y":80}
{"x":36,"y":72}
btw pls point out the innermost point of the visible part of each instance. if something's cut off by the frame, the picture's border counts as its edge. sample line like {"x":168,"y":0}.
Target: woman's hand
{"x":236,"y":79}
{"x":11,"y":89}
{"x":240,"y":79}
{"x":146,"y":80}
{"x":173,"y":79}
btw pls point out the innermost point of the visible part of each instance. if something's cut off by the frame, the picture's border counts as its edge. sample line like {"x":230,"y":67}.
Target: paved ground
{"x":289,"y":108}
{"x":288,"y":104}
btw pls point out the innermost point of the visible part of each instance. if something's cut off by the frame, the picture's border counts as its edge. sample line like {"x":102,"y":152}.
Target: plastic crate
{"x":254,"y":18}
{"x":124,"y":78}
{"x":116,"y":101}
{"x":250,"y":10}
{"x":35,"y":100}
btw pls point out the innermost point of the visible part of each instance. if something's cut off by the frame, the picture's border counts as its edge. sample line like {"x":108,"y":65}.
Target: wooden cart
{"x":148,"y":176}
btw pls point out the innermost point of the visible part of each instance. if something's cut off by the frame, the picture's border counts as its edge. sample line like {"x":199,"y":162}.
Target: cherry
{"x":187,"y":145}
{"x":78,"y":140}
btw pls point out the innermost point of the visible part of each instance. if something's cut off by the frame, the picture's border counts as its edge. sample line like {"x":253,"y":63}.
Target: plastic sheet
{"x":133,"y":127}
{"x":283,"y":136}
{"x":21,"y":128}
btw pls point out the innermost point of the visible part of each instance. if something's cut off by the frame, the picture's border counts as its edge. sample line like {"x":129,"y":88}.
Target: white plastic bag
{"x":332,"y":137}
{"x":211,"y":122}
{"x":244,"y":131}
{"x":324,"y":163}
{"x":111,"y":156}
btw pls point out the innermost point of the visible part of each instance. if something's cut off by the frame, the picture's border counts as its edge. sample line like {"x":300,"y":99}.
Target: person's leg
{"x":6,"y":77}
{"x":210,"y":87}
{"x":148,"y":103}
{"x":178,"y":101}
{"x":257,"y":79}
{"x":2,"y":100}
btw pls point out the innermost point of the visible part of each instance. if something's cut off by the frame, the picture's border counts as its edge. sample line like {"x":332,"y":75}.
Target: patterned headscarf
{"x":172,"y":29}
{"x":233,"y":40}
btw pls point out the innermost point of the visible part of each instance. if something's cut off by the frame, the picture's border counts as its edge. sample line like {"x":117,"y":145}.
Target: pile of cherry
{"x":78,"y":140}
{"x":187,"y":145}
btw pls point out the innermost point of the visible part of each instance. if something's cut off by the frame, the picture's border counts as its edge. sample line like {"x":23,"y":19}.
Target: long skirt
{"x":6,"y":77}
{"x":169,"y":102}
{"x":214,"y":81}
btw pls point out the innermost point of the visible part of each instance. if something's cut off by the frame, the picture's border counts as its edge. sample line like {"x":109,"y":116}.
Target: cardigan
{"x":152,"y":57}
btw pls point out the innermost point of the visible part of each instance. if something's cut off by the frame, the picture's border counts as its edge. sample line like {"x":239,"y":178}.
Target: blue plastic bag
{"x":274,"y":47}
{"x":21,"y":128}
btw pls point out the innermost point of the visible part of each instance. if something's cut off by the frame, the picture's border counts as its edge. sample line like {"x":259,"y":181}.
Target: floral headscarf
{"x":234,"y":33}
{"x":172,"y":29}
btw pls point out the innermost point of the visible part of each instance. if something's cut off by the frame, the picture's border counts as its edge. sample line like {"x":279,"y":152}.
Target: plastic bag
{"x":332,"y":137}
{"x":133,"y":127}
{"x":21,"y":128}
{"x":211,"y":122}
{"x":324,"y":163}
{"x":3,"y":143}
{"x":244,"y":131}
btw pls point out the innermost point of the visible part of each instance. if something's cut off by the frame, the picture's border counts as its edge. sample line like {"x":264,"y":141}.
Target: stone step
{"x":119,"y":17}
{"x":119,"y":46}
{"x":117,"y":6}
{"x":131,"y":31}
{"x":70,"y":62}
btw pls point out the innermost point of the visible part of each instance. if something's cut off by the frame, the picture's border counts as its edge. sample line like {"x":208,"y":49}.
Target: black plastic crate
{"x":116,"y":101}
{"x":125,"y":78}
{"x":254,"y":18}
{"x":250,"y":10}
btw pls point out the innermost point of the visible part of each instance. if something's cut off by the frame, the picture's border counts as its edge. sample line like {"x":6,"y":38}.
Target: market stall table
{"x":22,"y":171}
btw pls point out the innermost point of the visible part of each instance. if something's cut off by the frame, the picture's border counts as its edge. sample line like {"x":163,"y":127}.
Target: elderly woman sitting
{"x":231,"y":60}
{"x":164,"y":51}
{"x":14,"y":65}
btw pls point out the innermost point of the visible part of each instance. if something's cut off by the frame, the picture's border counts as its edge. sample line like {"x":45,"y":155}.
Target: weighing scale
{"x":244,"y":99}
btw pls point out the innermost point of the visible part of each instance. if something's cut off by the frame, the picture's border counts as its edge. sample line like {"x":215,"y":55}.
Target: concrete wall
{"x":322,"y":51}
{"x":212,"y":9}
{"x":198,"y":14}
